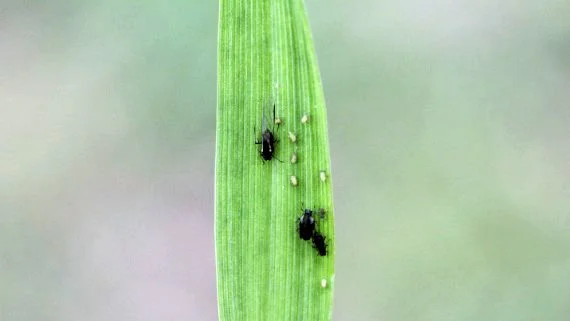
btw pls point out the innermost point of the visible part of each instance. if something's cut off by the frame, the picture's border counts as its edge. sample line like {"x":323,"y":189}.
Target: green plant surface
{"x":264,"y":270}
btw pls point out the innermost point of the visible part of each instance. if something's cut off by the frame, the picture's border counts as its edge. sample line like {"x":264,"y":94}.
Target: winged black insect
{"x":268,"y":140}
{"x":306,"y":225}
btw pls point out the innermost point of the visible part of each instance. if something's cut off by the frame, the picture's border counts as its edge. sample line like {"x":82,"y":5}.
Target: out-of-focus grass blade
{"x":264,"y":270}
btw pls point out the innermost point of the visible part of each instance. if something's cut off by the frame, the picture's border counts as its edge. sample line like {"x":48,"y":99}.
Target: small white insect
{"x":293,"y":158}
{"x":323,"y":176}
{"x":278,"y":121}
{"x":292,"y":137}
{"x":294,"y":181}
{"x":304,"y":119}
{"x":323,"y":283}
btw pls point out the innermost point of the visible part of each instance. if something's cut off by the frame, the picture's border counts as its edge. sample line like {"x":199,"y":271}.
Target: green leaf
{"x":264,"y":270}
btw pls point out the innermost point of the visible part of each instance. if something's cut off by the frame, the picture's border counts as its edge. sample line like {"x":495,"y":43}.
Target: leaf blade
{"x":265,"y":272}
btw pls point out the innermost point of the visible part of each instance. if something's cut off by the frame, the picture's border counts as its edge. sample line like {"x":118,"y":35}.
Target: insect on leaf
{"x":265,"y":271}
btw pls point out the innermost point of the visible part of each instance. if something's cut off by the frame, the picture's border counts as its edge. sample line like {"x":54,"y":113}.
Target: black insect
{"x":268,"y":139}
{"x":306,"y":225}
{"x":319,"y":243}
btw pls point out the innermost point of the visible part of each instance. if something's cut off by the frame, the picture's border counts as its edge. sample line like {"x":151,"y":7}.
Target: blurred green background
{"x":449,"y":134}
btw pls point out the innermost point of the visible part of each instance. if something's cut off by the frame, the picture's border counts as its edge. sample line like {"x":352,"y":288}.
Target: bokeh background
{"x":449,"y":128}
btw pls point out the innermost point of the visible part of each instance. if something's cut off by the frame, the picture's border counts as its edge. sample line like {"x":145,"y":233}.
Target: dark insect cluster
{"x":268,"y":140}
{"x":319,"y":243}
{"x":307,"y":231}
